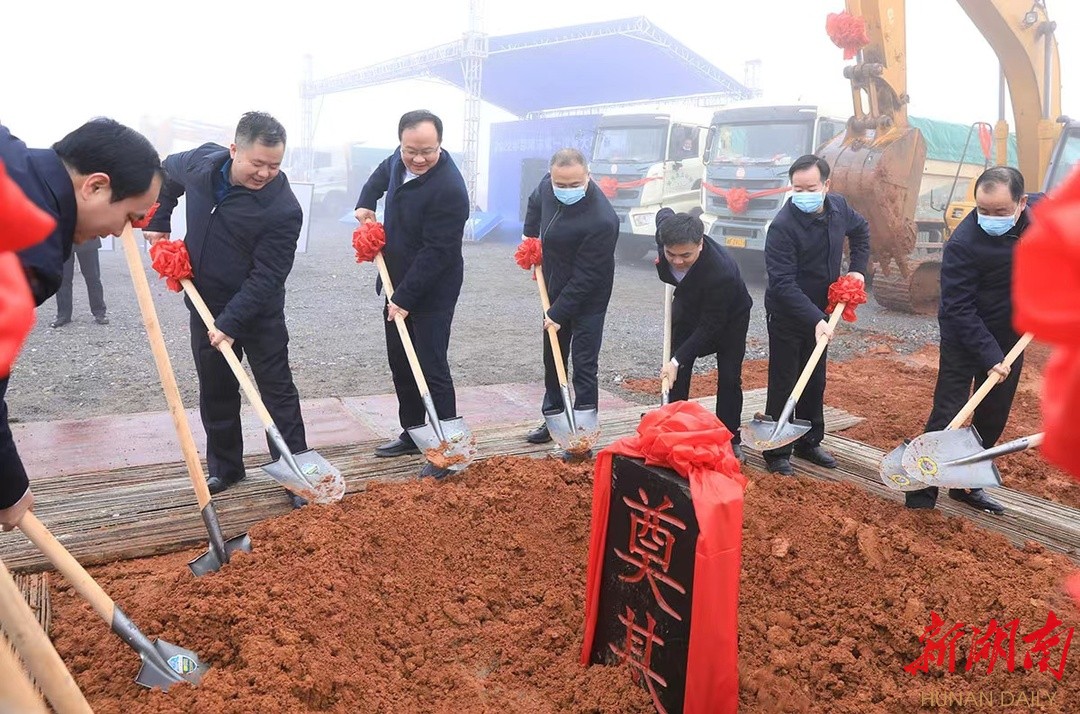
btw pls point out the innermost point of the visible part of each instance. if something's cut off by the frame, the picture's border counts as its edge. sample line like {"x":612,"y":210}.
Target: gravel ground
{"x":338,"y":349}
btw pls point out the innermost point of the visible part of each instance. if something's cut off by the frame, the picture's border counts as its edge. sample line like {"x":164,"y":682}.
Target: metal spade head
{"x":764,"y":433}
{"x":893,"y":474}
{"x":317,"y":481}
{"x":170,"y":666}
{"x":929,"y":458}
{"x":211,"y":562}
{"x":456,"y":452}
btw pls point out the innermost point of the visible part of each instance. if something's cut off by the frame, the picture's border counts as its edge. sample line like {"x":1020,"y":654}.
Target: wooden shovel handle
{"x":989,"y":383}
{"x":402,"y":328}
{"x":669,"y":292}
{"x":164,"y":367}
{"x":32,"y":644}
{"x":815,"y":356}
{"x":226,"y":350}
{"x":553,"y":334}
{"x":63,"y":561}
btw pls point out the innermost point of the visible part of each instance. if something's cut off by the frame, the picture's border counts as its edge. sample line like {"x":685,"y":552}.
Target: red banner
{"x":686,"y":437}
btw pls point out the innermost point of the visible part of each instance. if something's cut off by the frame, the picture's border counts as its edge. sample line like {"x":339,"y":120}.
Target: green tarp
{"x":945,"y":142}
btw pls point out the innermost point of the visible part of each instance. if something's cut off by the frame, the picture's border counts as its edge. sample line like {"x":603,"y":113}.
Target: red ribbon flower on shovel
{"x":368,"y":239}
{"x":848,"y":290}
{"x":529,"y":254}
{"x":847,"y":32}
{"x":145,"y":220}
{"x":171,"y":260}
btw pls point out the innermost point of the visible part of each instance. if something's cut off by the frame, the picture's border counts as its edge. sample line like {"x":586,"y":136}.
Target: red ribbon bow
{"x":368,"y":239}
{"x":529,"y":254}
{"x":609,"y":185}
{"x":738,"y":198}
{"x":847,"y":32}
{"x":145,"y":220}
{"x":171,"y":260}
{"x":848,"y":290}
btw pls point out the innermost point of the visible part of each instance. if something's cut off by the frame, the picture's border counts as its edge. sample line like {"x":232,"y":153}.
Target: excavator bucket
{"x":879,"y":173}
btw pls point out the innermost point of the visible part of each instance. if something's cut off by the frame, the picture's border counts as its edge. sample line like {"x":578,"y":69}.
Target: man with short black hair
{"x":578,"y":229}
{"x":243,"y":224}
{"x":425,"y":212}
{"x":804,"y":249}
{"x":975,"y":319}
{"x":710,"y":313}
{"x":92,"y":182}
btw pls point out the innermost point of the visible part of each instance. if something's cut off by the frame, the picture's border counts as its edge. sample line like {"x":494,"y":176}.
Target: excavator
{"x":877,"y":163}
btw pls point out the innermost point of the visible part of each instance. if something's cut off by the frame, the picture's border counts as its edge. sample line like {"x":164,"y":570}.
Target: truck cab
{"x":751,"y":147}
{"x":645,"y":162}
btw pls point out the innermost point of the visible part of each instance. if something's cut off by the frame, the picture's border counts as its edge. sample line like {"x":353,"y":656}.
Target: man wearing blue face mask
{"x":975,"y":318}
{"x":578,"y":229}
{"x":803,"y":252}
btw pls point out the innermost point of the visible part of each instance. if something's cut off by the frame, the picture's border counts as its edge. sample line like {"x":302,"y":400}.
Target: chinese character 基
{"x":935,"y":650}
{"x":637,"y":653}
{"x":651,"y":543}
{"x":1044,"y":642}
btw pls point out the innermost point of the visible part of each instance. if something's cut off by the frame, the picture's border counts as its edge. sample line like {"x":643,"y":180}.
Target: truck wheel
{"x":629,"y":248}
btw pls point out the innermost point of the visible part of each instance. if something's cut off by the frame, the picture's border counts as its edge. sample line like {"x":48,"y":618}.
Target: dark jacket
{"x":43,"y":178}
{"x":710,"y":295}
{"x":425,"y":223}
{"x":578,"y":248}
{"x":803,"y":253}
{"x":241,"y":250}
{"x":975,"y":313}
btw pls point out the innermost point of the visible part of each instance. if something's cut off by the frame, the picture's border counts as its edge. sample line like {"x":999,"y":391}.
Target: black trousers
{"x":430,"y":335}
{"x":12,"y":472}
{"x":267,"y":349}
{"x":580,"y":341}
{"x":91,"y":271}
{"x":729,"y":360}
{"x":789,"y":351}
{"x":959,"y":375}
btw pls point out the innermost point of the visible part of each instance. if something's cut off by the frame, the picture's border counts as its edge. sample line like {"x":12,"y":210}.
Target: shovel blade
{"x":456,"y":453}
{"x":927,"y":459}
{"x":560,"y":427}
{"x":893,"y":474}
{"x":764,"y":433}
{"x":317,"y":482}
{"x":167,"y":665}
{"x":209,"y":562}
{"x":587,"y":434}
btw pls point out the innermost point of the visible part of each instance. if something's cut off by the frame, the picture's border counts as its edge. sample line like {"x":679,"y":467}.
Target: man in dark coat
{"x":90,"y":266}
{"x":243,"y":224}
{"x":578,"y":229}
{"x":804,"y":249}
{"x":710,"y":313}
{"x":975,"y":318}
{"x":426,"y":208}
{"x":92,"y":182}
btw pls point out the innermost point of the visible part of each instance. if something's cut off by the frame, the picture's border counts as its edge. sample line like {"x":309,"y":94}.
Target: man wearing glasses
{"x":427,"y":205}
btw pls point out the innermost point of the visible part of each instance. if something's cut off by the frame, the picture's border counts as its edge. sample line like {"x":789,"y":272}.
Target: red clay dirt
{"x":894,"y":392}
{"x":466,"y":596}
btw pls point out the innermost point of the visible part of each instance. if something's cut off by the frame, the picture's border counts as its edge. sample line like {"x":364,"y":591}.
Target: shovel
{"x":220,"y":549}
{"x":763,"y":433}
{"x":163,"y":663}
{"x":306,"y":473}
{"x":33,"y":646}
{"x":893,"y":473}
{"x":446,"y":443}
{"x":575,"y":430}
{"x":957,"y":459}
{"x":665,"y":387}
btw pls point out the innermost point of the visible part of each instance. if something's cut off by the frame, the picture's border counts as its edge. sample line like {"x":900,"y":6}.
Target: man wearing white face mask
{"x":803,"y":252}
{"x":578,"y":229}
{"x":975,"y":317}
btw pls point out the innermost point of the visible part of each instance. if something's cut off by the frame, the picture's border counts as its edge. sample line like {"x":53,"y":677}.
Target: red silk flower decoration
{"x":738,"y":199}
{"x":848,"y":290}
{"x":609,"y":186}
{"x":529,"y":254}
{"x":847,"y":32}
{"x":368,"y":239}
{"x":171,"y":260}
{"x":145,"y":220}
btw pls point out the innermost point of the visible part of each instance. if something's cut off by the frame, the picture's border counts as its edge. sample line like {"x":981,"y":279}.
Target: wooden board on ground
{"x":35,"y":588}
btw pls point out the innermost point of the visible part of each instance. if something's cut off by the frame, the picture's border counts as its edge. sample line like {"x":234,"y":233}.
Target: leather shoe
{"x":539,"y":435}
{"x":737,"y":450}
{"x":923,"y":499}
{"x":101,"y":319}
{"x":816,"y":455}
{"x":296,"y":501}
{"x":216,"y":484}
{"x":60,"y":322}
{"x":397,"y":447}
{"x":779,"y":465}
{"x":432,"y":471}
{"x":573,"y":457}
{"x":977,"y":498}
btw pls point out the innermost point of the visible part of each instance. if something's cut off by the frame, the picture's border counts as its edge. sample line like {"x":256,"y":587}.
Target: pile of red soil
{"x":465,"y":596}
{"x":894,"y":393}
